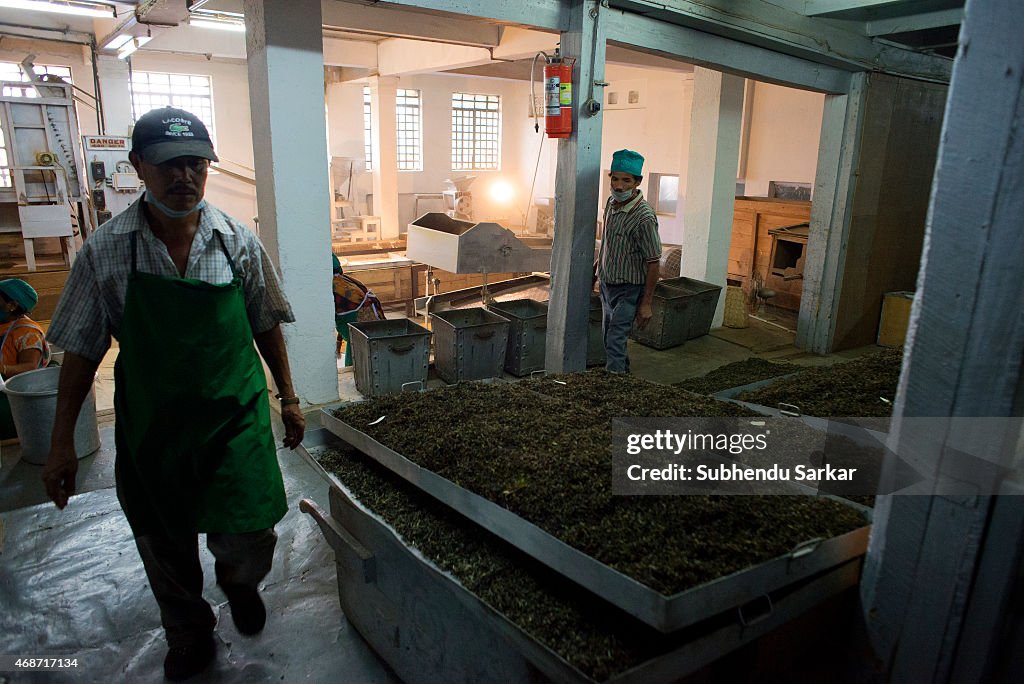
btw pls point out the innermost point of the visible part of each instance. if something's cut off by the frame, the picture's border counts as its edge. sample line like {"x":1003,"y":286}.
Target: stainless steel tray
{"x":664,"y":613}
{"x":428,"y":627}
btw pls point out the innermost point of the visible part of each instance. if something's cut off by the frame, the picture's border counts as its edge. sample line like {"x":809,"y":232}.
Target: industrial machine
{"x":113,"y":183}
{"x":41,"y":189}
{"x":458,"y":246}
{"x":458,"y":200}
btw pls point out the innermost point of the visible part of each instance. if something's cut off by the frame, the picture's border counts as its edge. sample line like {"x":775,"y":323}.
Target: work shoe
{"x":247,"y":609}
{"x":183,"y":662}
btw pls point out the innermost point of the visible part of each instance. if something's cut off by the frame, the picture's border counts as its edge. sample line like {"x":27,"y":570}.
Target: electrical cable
{"x":533,"y":183}
{"x":533,"y":98}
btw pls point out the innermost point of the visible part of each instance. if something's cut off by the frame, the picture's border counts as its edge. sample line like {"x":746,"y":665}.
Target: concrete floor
{"x":72,"y":584}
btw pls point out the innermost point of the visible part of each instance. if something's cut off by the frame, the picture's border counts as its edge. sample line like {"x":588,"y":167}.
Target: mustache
{"x":182,"y":189}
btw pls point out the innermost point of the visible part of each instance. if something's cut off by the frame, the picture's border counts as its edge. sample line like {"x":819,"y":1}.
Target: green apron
{"x":195,"y":452}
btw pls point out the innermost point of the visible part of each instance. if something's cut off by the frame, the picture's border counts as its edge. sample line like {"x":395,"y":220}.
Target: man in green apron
{"x":185,"y":290}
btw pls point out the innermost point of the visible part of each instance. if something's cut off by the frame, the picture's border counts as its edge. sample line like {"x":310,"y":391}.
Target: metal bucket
{"x":33,"y":398}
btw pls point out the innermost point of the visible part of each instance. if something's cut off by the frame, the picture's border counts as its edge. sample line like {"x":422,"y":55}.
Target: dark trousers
{"x":618,"y":306}
{"x":176,"y":576}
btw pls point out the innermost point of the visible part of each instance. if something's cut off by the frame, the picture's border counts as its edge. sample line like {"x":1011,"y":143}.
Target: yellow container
{"x":892,"y":328}
{"x":736,"y":315}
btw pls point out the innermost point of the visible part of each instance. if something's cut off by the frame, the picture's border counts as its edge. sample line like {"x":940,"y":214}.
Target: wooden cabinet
{"x":750,"y":250}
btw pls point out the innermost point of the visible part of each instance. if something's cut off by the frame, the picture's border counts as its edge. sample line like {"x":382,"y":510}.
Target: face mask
{"x":622,"y":196}
{"x":173,"y":213}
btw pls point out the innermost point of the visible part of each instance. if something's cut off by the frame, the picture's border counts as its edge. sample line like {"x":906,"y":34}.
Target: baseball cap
{"x":166,"y":133}
{"x":19,"y":291}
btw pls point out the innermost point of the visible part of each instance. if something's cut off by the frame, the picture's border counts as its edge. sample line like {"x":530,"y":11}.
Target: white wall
{"x":785,"y":125}
{"x":232,"y":125}
{"x":518,"y":144}
{"x":658,"y":127}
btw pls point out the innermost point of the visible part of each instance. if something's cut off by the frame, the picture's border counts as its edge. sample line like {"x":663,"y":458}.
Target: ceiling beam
{"x":403,"y":57}
{"x":820,"y":8}
{"x":703,"y":49}
{"x":393,"y":21}
{"x":544,"y":14}
{"x":915,"y":22}
{"x":776,"y":28}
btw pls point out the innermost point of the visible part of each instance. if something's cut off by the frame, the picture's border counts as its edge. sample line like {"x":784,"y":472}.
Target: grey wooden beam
{"x":964,"y":358}
{"x":816,"y":8}
{"x":715,"y":52}
{"x":755,"y":22}
{"x":831,"y":216}
{"x":577,"y":185}
{"x":545,"y":14}
{"x":914,"y":22}
{"x":408,"y":23}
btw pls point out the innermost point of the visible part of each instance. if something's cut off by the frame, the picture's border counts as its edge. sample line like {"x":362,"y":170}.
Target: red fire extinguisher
{"x":558,"y":96}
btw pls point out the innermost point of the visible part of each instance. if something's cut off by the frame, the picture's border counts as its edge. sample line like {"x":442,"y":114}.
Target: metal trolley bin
{"x":682,"y":309}
{"x":527,"y":334}
{"x":388,"y":355}
{"x":469,"y":344}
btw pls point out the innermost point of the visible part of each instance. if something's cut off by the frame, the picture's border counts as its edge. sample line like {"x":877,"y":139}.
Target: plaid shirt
{"x":92,"y":303}
{"x":630,"y":242}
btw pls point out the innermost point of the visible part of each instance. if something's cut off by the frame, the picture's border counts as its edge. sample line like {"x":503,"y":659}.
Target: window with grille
{"x":476,"y":132}
{"x":12,"y":71}
{"x":367,"y":129}
{"x":410,"y":148}
{"x":193,"y":93}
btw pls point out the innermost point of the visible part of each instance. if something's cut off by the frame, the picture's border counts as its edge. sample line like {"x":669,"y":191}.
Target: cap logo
{"x":178,"y":128}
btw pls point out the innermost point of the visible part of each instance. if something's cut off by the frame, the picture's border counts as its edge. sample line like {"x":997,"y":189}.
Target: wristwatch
{"x":285,"y":401}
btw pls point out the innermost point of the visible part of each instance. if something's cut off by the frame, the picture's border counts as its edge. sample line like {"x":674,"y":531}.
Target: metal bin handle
{"x":411,"y":383}
{"x":805,"y":547}
{"x":757,"y":618}
{"x":791,"y":410}
{"x":484,"y":335}
{"x":342,"y":541}
{"x":401,"y":350}
{"x":542,"y":372}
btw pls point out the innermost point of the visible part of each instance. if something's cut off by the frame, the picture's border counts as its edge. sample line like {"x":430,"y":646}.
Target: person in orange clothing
{"x":23,"y":346}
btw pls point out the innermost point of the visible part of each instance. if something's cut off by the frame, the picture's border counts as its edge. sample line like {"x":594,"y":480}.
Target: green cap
{"x":19,"y":291}
{"x":628,"y":161}
{"x":337,"y":264}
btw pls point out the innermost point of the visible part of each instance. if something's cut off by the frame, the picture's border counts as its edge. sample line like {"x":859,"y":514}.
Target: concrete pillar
{"x":384,"y":126}
{"x":711,"y":177}
{"x":286,"y":96}
{"x":115,"y":89}
{"x":577,"y":184}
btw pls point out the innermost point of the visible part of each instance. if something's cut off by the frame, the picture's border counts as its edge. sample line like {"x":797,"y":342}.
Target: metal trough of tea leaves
{"x":429,"y":627}
{"x":664,"y":613}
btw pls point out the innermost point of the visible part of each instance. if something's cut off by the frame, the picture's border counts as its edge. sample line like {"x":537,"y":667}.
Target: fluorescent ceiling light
{"x":218,"y":25}
{"x":84,"y":9}
{"x":131,"y":46}
{"x":117,"y":41}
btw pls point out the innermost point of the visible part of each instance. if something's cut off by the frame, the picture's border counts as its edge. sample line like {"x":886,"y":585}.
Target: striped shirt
{"x":630,"y":242}
{"x":91,"y":306}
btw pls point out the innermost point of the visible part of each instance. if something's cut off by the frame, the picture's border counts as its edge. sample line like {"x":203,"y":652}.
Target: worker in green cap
{"x":23,"y":346}
{"x":627,"y":265}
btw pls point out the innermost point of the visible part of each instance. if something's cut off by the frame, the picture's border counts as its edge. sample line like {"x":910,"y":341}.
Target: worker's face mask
{"x":622,"y":195}
{"x":173,"y":213}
